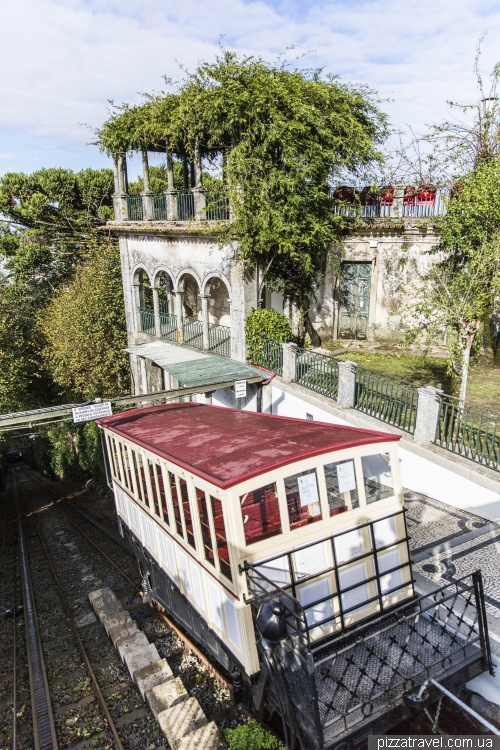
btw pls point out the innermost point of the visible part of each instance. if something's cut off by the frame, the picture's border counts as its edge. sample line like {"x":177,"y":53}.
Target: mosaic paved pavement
{"x":448,"y":544}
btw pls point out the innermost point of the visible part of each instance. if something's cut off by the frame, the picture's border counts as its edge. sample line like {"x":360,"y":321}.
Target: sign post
{"x":91,"y":412}
{"x":240,"y":391}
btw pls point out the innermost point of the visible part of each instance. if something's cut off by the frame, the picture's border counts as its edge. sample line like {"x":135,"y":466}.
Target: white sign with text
{"x":240,"y":389}
{"x":92,"y":411}
{"x":308,"y":489}
{"x":346,"y":476}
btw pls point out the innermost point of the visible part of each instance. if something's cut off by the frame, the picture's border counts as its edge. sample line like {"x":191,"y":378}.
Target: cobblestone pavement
{"x":448,"y":544}
{"x":431,"y":522}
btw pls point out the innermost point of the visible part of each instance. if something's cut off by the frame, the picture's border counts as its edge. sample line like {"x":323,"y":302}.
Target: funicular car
{"x":281,"y":547}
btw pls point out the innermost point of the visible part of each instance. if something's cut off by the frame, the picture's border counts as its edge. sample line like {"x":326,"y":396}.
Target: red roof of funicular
{"x":228,"y":446}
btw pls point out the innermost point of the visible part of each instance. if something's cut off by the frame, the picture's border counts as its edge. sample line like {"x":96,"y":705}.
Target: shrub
{"x":265,"y":324}
{"x":251,"y":736}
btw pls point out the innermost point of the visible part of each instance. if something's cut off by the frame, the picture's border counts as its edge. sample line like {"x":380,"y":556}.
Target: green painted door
{"x":354,"y":300}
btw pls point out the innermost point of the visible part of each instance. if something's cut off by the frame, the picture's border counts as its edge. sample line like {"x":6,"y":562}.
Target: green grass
{"x":483,"y":386}
{"x":251,"y":736}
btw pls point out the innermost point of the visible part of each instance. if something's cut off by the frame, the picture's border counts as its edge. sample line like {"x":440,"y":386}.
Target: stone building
{"x":179,"y":284}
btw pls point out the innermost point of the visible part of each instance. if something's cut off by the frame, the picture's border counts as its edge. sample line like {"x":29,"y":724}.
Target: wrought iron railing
{"x":134,"y":208}
{"x":268,"y":353}
{"x":217,"y":206}
{"x":147,"y":320}
{"x":219,"y":338}
{"x":185,"y":206}
{"x":168,"y":326}
{"x":327,"y":690}
{"x":192,"y":332}
{"x":388,"y":400}
{"x":469,"y":431}
{"x":159,"y":205}
{"x":319,"y":372}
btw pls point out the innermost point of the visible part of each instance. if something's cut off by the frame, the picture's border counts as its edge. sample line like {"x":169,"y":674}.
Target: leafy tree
{"x":280,"y":139}
{"x":84,"y":327}
{"x":463,"y":286}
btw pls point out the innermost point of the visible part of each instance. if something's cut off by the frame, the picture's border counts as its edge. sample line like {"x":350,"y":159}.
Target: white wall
{"x":418,"y":474}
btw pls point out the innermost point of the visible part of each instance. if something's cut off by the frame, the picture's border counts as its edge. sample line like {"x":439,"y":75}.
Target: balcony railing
{"x":364,"y":203}
{"x":220,"y":340}
{"x":469,"y":431}
{"x":159,"y":205}
{"x":134,"y":208}
{"x":185,"y":206}
{"x":147,"y":320}
{"x":168,"y":326}
{"x":217,"y":207}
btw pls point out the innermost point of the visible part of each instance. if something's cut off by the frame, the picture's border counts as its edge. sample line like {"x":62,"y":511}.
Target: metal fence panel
{"x":469,"y":431}
{"x":147,"y":320}
{"x":220,"y":340}
{"x":319,"y":372}
{"x":388,"y":400}
{"x":159,"y":203}
{"x":192,"y":332}
{"x":134,"y":208}
{"x":217,"y":206}
{"x":185,"y":206}
{"x":168,"y":326}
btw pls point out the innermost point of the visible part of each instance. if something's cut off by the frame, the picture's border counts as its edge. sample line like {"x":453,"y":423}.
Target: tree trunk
{"x":466,"y":336}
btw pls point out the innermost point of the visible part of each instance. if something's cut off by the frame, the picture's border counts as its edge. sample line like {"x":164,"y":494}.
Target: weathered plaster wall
{"x":399,"y":256}
{"x":195,"y":264}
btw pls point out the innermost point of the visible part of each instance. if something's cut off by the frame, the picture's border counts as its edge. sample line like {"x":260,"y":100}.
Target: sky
{"x":63,"y":60}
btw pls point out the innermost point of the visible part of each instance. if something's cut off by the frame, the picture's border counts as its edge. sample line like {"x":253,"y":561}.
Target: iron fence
{"x":185,"y":206}
{"x":168,"y":326}
{"x":469,"y":431}
{"x":217,"y":206}
{"x":413,"y":205}
{"x":388,"y":400}
{"x":268,"y":353}
{"x":147,"y":320}
{"x":219,"y":338}
{"x":319,"y":372}
{"x":159,"y":205}
{"x":192,"y":332}
{"x":134,"y":208}
{"x":326,"y":691}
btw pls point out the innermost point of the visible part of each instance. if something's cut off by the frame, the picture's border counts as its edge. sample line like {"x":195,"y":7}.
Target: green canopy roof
{"x":192,"y":367}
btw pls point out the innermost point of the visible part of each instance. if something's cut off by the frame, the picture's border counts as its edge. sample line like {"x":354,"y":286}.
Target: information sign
{"x":308,"y":489}
{"x":346,"y":476}
{"x":92,"y":411}
{"x":240,"y":388}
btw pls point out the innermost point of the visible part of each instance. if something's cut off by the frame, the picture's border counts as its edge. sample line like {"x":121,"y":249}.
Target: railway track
{"x":93,"y":701}
{"x":71,"y":540}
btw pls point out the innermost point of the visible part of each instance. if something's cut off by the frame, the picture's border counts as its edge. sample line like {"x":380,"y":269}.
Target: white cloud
{"x":7,"y":155}
{"x":66,"y":58}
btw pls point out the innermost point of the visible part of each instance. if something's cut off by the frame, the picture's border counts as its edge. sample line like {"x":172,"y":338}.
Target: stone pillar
{"x":347,"y":384}
{"x":147,"y":203}
{"x":199,"y":203}
{"x":427,"y":415}
{"x":137,"y":305}
{"x":144,"y":375}
{"x":178,"y":313}
{"x":120,"y":195}
{"x":171,"y":192}
{"x":205,"y":321}
{"x":171,"y":198}
{"x":156,"y":308}
{"x":397,"y":201}
{"x":289,"y":362}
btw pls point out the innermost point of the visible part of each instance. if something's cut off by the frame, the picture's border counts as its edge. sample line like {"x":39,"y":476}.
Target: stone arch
{"x":179,"y":281}
{"x":188,"y":285}
{"x":217,"y":288}
{"x":163,"y":283}
{"x":142,"y":287}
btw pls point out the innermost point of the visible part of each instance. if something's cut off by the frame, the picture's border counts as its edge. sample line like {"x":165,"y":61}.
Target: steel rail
{"x":44,"y":731}
{"x":74,"y":628}
{"x":185,"y":640}
{"x":14,"y":671}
